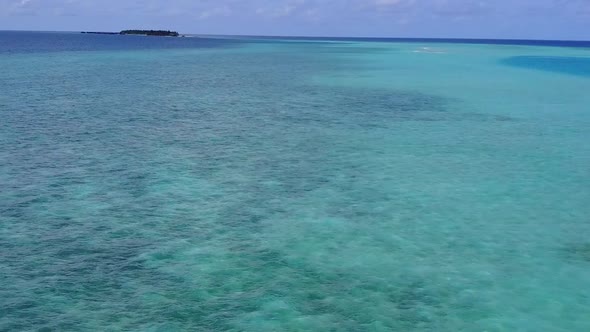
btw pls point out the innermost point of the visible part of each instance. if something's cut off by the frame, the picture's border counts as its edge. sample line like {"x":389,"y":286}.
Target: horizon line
{"x":328,"y":37}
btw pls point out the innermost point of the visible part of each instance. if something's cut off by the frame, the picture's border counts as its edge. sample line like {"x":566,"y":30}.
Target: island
{"x":161,"y":33}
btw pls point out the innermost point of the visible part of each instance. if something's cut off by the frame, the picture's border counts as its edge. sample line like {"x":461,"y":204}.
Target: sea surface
{"x":266,"y":184}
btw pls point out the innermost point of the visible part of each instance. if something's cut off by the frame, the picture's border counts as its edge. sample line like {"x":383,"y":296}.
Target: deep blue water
{"x":35,"y":42}
{"x":32,"y":42}
{"x":523,"y":42}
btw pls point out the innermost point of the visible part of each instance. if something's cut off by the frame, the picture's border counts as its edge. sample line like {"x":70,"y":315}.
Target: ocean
{"x":293,"y":184}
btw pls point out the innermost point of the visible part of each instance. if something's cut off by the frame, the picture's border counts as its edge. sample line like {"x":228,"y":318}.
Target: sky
{"x":512,"y":19}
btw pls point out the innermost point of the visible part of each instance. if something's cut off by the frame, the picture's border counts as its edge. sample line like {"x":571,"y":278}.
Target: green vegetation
{"x":166,"y":33}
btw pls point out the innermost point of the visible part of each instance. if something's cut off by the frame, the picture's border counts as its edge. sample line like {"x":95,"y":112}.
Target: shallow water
{"x":268,"y":185}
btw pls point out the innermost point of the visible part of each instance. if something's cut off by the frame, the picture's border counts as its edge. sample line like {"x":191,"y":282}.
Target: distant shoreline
{"x":159,"y":33}
{"x":575,"y":43}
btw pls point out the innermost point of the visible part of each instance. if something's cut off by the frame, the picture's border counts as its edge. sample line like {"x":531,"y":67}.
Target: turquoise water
{"x":233,"y":185}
